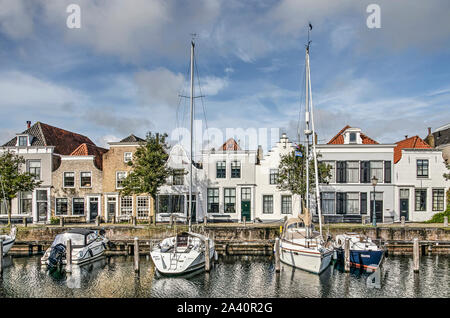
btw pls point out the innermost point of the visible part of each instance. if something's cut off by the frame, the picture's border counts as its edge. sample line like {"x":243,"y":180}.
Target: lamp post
{"x":374,"y":217}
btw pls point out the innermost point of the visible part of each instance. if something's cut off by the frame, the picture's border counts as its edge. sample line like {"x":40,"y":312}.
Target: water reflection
{"x":231,"y":277}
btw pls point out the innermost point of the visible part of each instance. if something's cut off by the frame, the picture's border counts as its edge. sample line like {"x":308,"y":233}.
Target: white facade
{"x":420,"y":188}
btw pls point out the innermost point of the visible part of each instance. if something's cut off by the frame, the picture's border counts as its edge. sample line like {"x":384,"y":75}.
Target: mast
{"x":192,"y":123}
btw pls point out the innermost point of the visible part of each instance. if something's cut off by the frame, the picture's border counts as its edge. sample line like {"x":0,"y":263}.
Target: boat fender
{"x":339,"y":241}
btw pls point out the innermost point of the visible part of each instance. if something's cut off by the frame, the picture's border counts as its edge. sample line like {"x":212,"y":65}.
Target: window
{"x":332,"y":164}
{"x":143,"y":205}
{"x":352,"y":203}
{"x":340,"y":171}
{"x":178,"y":177}
{"x":235,"y":169}
{"x":273,"y":176}
{"x":422,"y":168}
{"x":127,"y":156}
{"x":61,"y":206}
{"x":69,"y":179}
{"x":177,"y":203}
{"x":352,"y":137}
{"x":85,"y":178}
{"x":352,"y":172}
{"x":25,"y":202}
{"x":163,"y":203}
{"x":230,"y":200}
{"x":23,"y":141}
{"x":328,"y":202}
{"x":213,"y":200}
{"x":421,"y":199}
{"x":246,"y":194}
{"x":34,"y":168}
{"x":387,"y":172}
{"x":341,"y":202}
{"x":120,"y":177}
{"x":286,"y":204}
{"x":376,"y":169}
{"x":221,"y":167}
{"x":126,"y":205}
{"x":267,"y":204}
{"x":438,"y":199}
{"x":42,"y":204}
{"x":365,"y":171}
{"x":78,"y":206}
{"x":363,"y":202}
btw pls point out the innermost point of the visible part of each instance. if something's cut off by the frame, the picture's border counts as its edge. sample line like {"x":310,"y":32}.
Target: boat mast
{"x":192,"y":122}
{"x":307,"y":130}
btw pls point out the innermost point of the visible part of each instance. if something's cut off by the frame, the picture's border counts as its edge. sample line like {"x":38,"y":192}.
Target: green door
{"x":245,"y":204}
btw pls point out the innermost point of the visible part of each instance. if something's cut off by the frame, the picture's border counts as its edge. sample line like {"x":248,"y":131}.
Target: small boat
{"x":181,"y":254}
{"x":364,"y":253}
{"x":87,"y":246}
{"x":8,"y":240}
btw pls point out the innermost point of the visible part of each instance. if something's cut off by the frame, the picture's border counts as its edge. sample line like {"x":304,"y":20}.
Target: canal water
{"x":230,"y":277}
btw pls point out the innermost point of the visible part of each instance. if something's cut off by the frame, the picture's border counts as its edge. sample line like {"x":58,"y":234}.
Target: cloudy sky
{"x":122,"y":72}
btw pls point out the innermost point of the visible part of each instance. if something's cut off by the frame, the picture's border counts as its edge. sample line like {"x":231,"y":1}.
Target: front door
{"x":41,"y":204}
{"x":111,"y":208}
{"x":404,"y":203}
{"x":93,"y":208}
{"x":378,"y":207}
{"x":245,"y":204}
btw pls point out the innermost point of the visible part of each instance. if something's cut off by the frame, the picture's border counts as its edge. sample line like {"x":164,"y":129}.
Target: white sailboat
{"x":300,"y":245}
{"x":8,"y":240}
{"x":186,"y":251}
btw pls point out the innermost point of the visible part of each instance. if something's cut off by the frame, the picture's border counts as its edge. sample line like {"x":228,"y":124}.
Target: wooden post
{"x":136,"y":255}
{"x":403,"y":221}
{"x":445,"y":221}
{"x":347,"y":255}
{"x":416,"y":255}
{"x":245,"y":220}
{"x":97,"y":220}
{"x":69,"y":255}
{"x":61,"y":221}
{"x":24,"y":220}
{"x":114,"y":219}
{"x":1,"y":256}
{"x":207,"y":252}
{"x":277,"y":255}
{"x":134,"y":220}
{"x":205,"y":220}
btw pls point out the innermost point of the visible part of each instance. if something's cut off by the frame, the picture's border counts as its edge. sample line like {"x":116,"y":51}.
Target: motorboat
{"x":181,"y":254}
{"x":87,"y":246}
{"x":364,"y":253}
{"x":8,"y":240}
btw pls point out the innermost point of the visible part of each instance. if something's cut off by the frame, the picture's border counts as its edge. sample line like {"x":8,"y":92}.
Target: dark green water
{"x":230,"y":277}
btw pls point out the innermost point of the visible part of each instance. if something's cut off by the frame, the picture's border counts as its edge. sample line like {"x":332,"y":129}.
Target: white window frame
{"x":18,"y":142}
{"x":129,"y":209}
{"x":125,"y":159}
{"x":145,"y":208}
{"x":117,"y":172}
{"x":84,"y":206}
{"x":81,"y":185}
{"x":56,"y":206}
{"x":64,"y":178}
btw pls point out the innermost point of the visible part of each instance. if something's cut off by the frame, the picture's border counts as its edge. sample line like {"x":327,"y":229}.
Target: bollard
{"x":97,"y":221}
{"x":1,"y":256}
{"x":207,"y":258}
{"x":445,"y":221}
{"x":25,"y":223}
{"x":69,"y":255}
{"x":171,"y":220}
{"x":347,"y":255}
{"x":403,"y":221}
{"x":205,"y":220}
{"x":134,"y":220}
{"x":416,"y":255}
{"x":61,"y":221}
{"x":277,"y":255}
{"x":114,"y":219}
{"x":136,"y":254}
{"x":245,"y":220}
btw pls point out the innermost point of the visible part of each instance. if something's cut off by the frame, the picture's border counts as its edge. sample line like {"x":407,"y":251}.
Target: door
{"x":111,"y":207}
{"x":93,"y":208}
{"x":41,"y":204}
{"x":246,"y":204}
{"x":404,"y":203}
{"x":378,"y":207}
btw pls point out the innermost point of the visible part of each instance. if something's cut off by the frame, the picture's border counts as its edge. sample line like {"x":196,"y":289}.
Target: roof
{"x":132,"y":138}
{"x":339,"y":138}
{"x":80,"y":231}
{"x":414,"y":142}
{"x":230,"y":145}
{"x":90,"y":150}
{"x":63,"y":140}
{"x":442,"y":135}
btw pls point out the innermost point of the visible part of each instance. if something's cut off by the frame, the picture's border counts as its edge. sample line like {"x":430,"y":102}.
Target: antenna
{"x":309,"y":30}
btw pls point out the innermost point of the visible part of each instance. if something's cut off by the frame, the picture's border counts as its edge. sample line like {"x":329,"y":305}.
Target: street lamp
{"x":374,"y":217}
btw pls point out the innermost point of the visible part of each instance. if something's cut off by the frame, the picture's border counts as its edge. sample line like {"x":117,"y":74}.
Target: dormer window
{"x":22,"y":141}
{"x":352,"y":137}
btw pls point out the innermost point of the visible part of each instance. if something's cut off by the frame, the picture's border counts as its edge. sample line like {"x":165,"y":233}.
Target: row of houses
{"x":81,"y":181}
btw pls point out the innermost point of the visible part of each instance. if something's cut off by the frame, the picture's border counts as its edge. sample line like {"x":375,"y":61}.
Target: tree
{"x":292,"y":173}
{"x":13,"y":180}
{"x":150,"y":170}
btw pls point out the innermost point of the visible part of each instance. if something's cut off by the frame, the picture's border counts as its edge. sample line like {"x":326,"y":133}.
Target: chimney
{"x":259,"y":154}
{"x":429,"y":131}
{"x":406,"y":136}
{"x":28,"y":124}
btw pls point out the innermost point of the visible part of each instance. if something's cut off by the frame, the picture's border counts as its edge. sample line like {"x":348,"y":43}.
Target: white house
{"x":420,"y":188}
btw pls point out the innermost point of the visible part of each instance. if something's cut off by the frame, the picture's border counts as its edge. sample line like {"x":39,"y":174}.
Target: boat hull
{"x":185,"y":263}
{"x":362,"y":259}
{"x":304,"y":258}
{"x":7,"y":244}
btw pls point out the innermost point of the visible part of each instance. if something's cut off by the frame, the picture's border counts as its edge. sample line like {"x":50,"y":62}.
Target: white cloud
{"x":16,"y":18}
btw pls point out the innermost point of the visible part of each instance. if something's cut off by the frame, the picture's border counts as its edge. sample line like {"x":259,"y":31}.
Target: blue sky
{"x":122,"y":71}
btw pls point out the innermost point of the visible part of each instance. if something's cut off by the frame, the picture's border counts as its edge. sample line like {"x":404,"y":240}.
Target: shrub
{"x":439,"y":217}
{"x":54,"y":221}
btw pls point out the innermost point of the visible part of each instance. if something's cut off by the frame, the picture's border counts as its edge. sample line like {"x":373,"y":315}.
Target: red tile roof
{"x":91,"y":150}
{"x":339,"y":138}
{"x":409,"y":143}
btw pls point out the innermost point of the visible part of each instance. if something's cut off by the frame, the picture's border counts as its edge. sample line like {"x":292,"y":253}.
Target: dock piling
{"x":69,"y":255}
{"x":445,"y":221}
{"x":136,"y":255}
{"x":277,"y":255}
{"x":347,"y":255}
{"x":416,"y":255}
{"x":1,"y":256}
{"x":207,"y":258}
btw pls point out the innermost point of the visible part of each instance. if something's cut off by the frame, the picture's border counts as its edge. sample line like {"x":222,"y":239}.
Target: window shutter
{"x":387,"y":172}
{"x":363,"y":203}
{"x":340,"y":208}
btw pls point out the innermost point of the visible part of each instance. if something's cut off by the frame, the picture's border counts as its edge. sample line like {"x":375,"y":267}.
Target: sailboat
{"x":300,"y":245}
{"x":8,"y":240}
{"x":185,"y":252}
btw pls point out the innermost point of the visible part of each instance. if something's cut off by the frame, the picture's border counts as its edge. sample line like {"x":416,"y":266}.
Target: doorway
{"x":404,"y":203}
{"x":246,"y":204}
{"x":378,"y":207}
{"x":93,"y":208}
{"x":42,"y":205}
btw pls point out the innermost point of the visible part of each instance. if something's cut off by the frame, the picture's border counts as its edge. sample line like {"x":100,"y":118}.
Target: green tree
{"x":292,"y":173}
{"x":150,"y":170}
{"x":13,"y":180}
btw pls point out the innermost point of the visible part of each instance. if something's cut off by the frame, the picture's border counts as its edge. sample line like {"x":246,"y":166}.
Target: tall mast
{"x":192,"y":123}
{"x":307,"y":131}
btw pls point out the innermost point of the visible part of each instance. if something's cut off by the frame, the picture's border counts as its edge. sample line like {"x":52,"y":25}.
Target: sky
{"x":124,"y":69}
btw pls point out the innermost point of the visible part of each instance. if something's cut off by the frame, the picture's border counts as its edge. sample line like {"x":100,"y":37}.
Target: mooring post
{"x":61,"y":221}
{"x":171,"y":220}
{"x":97,"y":220}
{"x":207,"y":258}
{"x":277,"y":255}
{"x":114,"y":219}
{"x":416,"y":255}
{"x":403,"y":220}
{"x":205,"y":220}
{"x":445,"y":221}
{"x":136,"y":254}
{"x":134,"y":220}
{"x":1,"y":256}
{"x":24,"y":221}
{"x":347,"y":255}
{"x":245,"y":220}
{"x":69,"y":255}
